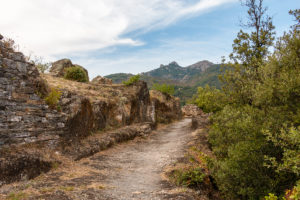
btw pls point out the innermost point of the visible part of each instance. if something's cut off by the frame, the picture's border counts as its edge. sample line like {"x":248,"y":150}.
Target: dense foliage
{"x":132,"y":80}
{"x":210,"y":99}
{"x":76,"y":73}
{"x":255,"y":131}
{"x":164,"y":88}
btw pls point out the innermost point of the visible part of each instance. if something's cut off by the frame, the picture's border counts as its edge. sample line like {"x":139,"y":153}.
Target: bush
{"x":132,"y":80}
{"x":164,"y":88}
{"x":191,"y":177}
{"x":271,"y":197}
{"x":53,"y":98}
{"x":293,"y":194}
{"x":76,"y":73}
{"x":210,"y":99}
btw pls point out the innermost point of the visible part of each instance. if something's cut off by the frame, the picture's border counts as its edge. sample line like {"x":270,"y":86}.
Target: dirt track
{"x":132,"y":170}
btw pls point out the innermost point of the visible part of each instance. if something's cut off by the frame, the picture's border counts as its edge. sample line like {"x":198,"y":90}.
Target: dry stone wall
{"x":24,"y":117}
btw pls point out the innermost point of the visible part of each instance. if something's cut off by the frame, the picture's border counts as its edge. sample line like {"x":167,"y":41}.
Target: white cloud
{"x":184,"y":52}
{"x":54,"y":27}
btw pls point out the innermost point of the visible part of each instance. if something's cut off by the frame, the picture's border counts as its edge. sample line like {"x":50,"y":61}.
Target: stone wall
{"x":24,"y":117}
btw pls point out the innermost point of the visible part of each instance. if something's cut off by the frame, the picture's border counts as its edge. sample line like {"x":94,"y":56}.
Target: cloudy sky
{"x":132,"y":36}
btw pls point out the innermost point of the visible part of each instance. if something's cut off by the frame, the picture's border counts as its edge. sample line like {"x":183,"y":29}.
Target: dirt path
{"x":127,"y":171}
{"x":135,"y":171}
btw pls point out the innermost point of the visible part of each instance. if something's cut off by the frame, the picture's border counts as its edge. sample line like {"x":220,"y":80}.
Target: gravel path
{"x":132,"y":170}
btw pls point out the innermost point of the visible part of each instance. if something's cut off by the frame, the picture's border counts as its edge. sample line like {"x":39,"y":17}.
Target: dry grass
{"x":94,"y":92}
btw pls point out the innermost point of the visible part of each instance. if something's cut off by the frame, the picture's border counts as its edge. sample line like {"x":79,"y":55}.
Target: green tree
{"x":250,"y":51}
{"x":255,"y":135}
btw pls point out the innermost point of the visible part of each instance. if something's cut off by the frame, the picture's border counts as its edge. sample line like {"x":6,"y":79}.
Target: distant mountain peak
{"x":202,"y":65}
{"x":173,"y":63}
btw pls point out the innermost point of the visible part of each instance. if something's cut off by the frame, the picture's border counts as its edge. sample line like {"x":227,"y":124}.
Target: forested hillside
{"x":184,"y":79}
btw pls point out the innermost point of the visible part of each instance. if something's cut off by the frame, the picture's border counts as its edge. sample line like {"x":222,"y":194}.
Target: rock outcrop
{"x":91,"y":108}
{"x":58,"y":68}
{"x":191,"y":110}
{"x":101,"y":80}
{"x":165,"y":108}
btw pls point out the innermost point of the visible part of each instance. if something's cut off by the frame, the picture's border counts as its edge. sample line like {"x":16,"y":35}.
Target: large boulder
{"x":101,"y":80}
{"x":59,"y":67}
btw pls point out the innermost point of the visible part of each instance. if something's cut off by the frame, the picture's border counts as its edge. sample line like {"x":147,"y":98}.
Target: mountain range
{"x":186,"y":80}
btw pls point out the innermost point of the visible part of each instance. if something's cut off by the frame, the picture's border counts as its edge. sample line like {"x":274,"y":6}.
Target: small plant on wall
{"x":53,"y":98}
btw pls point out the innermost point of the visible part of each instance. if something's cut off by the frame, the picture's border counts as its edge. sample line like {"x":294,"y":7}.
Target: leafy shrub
{"x":293,"y":194}
{"x":164,"y":88}
{"x":132,"y":80}
{"x":271,"y":197}
{"x":76,"y":73}
{"x":53,"y":98}
{"x":240,"y":146}
{"x":190,"y":177}
{"x":210,"y":99}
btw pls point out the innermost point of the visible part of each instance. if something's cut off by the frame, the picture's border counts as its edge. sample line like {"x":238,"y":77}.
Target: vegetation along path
{"x":132,"y":170}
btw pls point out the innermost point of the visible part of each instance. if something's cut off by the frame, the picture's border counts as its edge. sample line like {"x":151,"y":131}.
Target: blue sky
{"x":132,"y":36}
